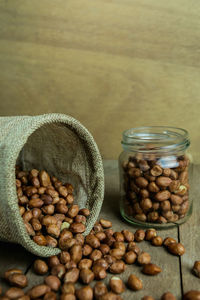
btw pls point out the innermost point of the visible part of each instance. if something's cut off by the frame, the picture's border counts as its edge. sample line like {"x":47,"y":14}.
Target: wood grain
{"x":189,"y":236}
{"x":112,"y":64}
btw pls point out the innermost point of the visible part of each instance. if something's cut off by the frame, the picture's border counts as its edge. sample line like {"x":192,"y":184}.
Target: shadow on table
{"x":14,"y":256}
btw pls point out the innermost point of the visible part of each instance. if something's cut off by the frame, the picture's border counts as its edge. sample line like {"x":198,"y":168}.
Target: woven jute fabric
{"x":64,"y":148}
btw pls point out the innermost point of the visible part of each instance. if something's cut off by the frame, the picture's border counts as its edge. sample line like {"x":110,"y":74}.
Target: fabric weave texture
{"x":63,"y":147}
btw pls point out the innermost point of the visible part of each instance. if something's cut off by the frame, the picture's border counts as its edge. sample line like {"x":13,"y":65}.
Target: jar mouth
{"x":154,"y":138}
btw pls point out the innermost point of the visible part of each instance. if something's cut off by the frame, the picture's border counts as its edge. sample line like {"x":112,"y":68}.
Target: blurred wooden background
{"x":112,"y":64}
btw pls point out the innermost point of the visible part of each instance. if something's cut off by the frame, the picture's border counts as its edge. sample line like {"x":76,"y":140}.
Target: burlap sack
{"x":59,"y":144}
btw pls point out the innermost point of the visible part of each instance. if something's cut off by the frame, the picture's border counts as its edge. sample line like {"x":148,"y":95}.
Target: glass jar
{"x":154,"y":176}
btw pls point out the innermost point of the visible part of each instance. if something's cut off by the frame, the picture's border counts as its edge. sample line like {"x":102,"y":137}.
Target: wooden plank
{"x":189,"y":236}
{"x":127,"y":61}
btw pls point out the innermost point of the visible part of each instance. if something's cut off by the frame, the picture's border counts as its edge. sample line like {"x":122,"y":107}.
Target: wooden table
{"x":176,"y":276}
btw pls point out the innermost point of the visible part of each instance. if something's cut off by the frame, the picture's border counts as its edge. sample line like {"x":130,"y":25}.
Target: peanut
{"x":87,"y":249}
{"x":38,"y":291}
{"x":86,"y":276}
{"x":53,"y":282}
{"x":85,"y":293}
{"x":140,"y":217}
{"x":77,"y":227}
{"x":40,"y":267}
{"x":18,"y":280}
{"x":133,"y":247}
{"x":128,"y":235}
{"x":139,"y":235}
{"x":144,"y":258}
{"x":101,"y":262}
{"x":117,"y":267}
{"x":71,"y":275}
{"x":100,"y":235}
{"x":10,"y":272}
{"x":64,"y":257}
{"x":70,"y":264}
{"x":67,"y":297}
{"x":29,"y":229}
{"x":14,"y":293}
{"x":151,"y":269}
{"x":80,"y":219}
{"x":110,"y":296}
{"x":58,"y":270}
{"x":196,"y":268}
{"x":36,"y":212}
{"x":100,"y":289}
{"x":104,"y":249}
{"x":110,"y":259}
{"x":157,"y":241}
{"x":146,"y":204}
{"x":95,"y":255}
{"x":119,"y":245}
{"x":50,"y":296}
{"x":92,"y":240}
{"x":150,"y":233}
{"x":73,"y":211}
{"x":144,"y":193}
{"x":35,"y":203}
{"x":130,"y":257}
{"x":44,"y":178}
{"x":168,"y":241}
{"x":152,"y":187}
{"x":163,"y":181}
{"x":192,"y":295}
{"x":116,"y":285}
{"x":176,"y":249}
{"x":165,"y":205}
{"x":156,"y":170}
{"x":47,"y":199}
{"x":27,"y":216}
{"x":68,"y":288}
{"x":53,"y":261}
{"x":163,"y":195}
{"x":51,"y":242}
{"x":168,"y":296}
{"x":76,"y":253}
{"x":99,"y":272}
{"x":141,"y":182}
{"x":40,"y":240}
{"x":134,"y":283}
{"x":117,"y":253}
{"x":166,"y":172}
{"x":84,"y":211}
{"x":25,"y":297}
{"x":105,"y":223}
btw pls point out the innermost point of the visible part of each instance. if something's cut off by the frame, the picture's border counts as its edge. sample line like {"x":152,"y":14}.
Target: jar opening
{"x":155,"y":138}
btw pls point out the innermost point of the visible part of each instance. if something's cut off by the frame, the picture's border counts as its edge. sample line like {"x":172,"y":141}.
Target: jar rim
{"x":154,"y":138}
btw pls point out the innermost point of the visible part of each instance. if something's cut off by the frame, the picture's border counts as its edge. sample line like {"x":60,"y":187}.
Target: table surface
{"x":176,"y":276}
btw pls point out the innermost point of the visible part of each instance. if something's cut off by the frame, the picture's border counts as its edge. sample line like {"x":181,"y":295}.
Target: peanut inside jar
{"x":155,"y":180}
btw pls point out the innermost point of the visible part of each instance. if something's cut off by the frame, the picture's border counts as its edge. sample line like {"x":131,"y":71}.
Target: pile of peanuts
{"x":46,"y":206}
{"x":84,"y":259}
{"x":153,"y":193}
{"x":51,"y":219}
